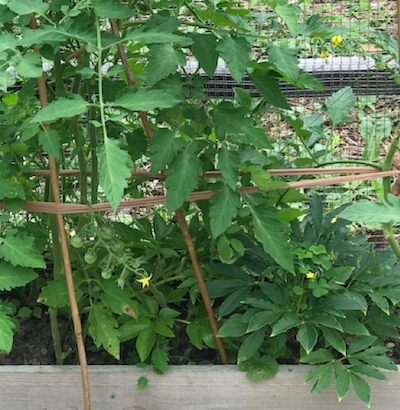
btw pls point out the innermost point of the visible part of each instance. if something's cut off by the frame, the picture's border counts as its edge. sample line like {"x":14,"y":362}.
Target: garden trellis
{"x":115,"y":163}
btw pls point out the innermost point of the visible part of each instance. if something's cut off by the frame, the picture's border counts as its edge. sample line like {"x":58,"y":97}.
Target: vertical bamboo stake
{"x":181,"y":219}
{"x":64,"y":248}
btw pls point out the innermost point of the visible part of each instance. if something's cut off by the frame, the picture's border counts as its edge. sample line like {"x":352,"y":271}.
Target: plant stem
{"x":94,"y":181}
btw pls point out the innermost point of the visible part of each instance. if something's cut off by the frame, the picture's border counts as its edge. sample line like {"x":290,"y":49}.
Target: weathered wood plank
{"x":181,"y":388}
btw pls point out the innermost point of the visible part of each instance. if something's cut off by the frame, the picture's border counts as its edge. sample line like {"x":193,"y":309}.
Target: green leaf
{"x":266,"y":368}
{"x":6,"y":80}
{"x":319,"y":356}
{"x":285,"y":60}
{"x":339,"y":104}
{"x":263,"y":179}
{"x":250,"y":346}
{"x":288,"y":321}
{"x":117,"y":299}
{"x":228,"y":164}
{"x":55,"y":293}
{"x":44,"y":34}
{"x":28,"y":6}
{"x":262,"y":319}
{"x":61,"y":108}
{"x":132,"y":328}
{"x":115,"y":169}
{"x":368,"y":211}
{"x":165,"y":144}
{"x":205,"y":50}
{"x":145,"y":100}
{"x":160,"y":360}
{"x":307,"y":336}
{"x":50,"y":141}
{"x":111,"y":9}
{"x":11,"y":189}
{"x":20,"y":251}
{"x":324,"y":380}
{"x":155,"y":36}
{"x":29,"y":65}
{"x":163,"y":60}
{"x":342,"y":380}
{"x":8,"y":41}
{"x":382,"y":362}
{"x":225,"y":206}
{"x":233,"y":327}
{"x":224,"y":249}
{"x":235,"y":51}
{"x":195,"y":333}
{"x":333,"y":337}
{"x":145,"y":343}
{"x":289,"y":13}
{"x":272,"y":233}
{"x":13,"y":277}
{"x":162,"y":329}
{"x":368,"y":371}
{"x":182,"y":178}
{"x":142,"y":383}
{"x":360,"y":343}
{"x":102,"y":329}
{"x":353,"y":327}
{"x":6,"y":333}
{"x":362,"y":389}
{"x":269,"y":88}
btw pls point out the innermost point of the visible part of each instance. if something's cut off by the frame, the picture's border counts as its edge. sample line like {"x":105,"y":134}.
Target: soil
{"x":33,"y":345}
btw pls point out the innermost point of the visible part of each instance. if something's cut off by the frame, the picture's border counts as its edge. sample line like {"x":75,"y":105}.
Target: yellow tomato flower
{"x":336,"y":40}
{"x":310,"y":275}
{"x":325,"y":55}
{"x":145,"y":281}
{"x":334,"y":220}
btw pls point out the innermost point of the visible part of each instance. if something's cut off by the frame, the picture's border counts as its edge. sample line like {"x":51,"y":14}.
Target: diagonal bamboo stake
{"x":181,"y":219}
{"x":64,"y":249}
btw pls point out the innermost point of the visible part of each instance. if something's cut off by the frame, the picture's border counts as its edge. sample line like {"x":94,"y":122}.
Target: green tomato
{"x":107,"y":233}
{"x":90,"y":257}
{"x":118,"y":246}
{"x":106,"y":274}
{"x":77,"y":242}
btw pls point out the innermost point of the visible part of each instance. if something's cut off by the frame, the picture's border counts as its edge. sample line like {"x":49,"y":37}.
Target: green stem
{"x":94,"y":181}
{"x":81,"y":159}
{"x":388,"y":227}
{"x":100,"y":82}
{"x":389,"y":235}
{"x":387,"y":166}
{"x":61,"y":91}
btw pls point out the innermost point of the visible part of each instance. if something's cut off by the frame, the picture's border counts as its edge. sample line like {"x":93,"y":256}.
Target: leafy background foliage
{"x":279,"y":276}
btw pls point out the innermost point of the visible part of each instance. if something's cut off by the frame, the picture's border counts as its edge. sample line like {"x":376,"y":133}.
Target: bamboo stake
{"x":217,"y":174}
{"x":63,"y":208}
{"x":64,"y":248}
{"x":181,"y":219}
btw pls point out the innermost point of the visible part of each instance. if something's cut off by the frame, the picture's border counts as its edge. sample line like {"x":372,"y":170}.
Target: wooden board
{"x":181,"y":388}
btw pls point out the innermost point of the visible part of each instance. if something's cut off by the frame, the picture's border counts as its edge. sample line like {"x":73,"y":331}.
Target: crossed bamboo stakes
{"x":59,"y":209}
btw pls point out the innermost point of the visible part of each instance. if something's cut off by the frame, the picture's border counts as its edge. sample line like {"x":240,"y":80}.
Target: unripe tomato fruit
{"x":90,"y":257}
{"x":107,"y":232}
{"x":106,"y":274}
{"x":77,"y":241}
